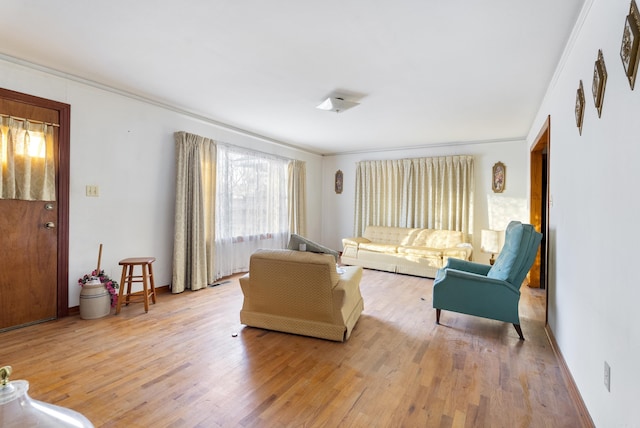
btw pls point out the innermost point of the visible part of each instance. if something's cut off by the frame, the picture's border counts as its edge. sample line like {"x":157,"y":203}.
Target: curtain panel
{"x":297,"y":193}
{"x":194,"y":235}
{"x":434,"y":193}
{"x":27,"y":160}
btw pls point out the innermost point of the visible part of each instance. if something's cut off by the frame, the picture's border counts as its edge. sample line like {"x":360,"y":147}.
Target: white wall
{"x":593,"y":286}
{"x":125,"y":146}
{"x":338,"y":209}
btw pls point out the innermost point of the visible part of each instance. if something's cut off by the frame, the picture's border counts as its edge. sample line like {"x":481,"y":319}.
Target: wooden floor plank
{"x":188,"y":362}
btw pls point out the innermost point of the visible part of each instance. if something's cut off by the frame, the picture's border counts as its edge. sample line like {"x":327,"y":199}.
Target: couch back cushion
{"x":264,"y":261}
{"x":390,"y":235}
{"x":293,"y":283}
{"x":432,"y":238}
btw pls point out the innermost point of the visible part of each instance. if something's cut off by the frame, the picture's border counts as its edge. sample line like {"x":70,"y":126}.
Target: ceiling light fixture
{"x":336,"y":104}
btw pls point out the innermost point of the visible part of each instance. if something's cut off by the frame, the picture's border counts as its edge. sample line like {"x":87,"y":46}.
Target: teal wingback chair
{"x":489,"y":291}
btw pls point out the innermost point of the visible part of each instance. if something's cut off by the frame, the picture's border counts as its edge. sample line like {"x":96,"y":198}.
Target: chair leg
{"x":519,"y":330}
{"x":152,"y":291}
{"x":121,"y":291}
{"x":145,"y":287}
{"x":437,"y":316}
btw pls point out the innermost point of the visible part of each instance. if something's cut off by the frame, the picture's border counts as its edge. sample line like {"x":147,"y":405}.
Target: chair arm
{"x":456,"y":253}
{"x":346,"y":292}
{"x":467,"y":266}
{"x":460,"y":251}
{"x":245,"y":280}
{"x":349,"y":274}
{"x":354,"y":242}
{"x":475,"y":280}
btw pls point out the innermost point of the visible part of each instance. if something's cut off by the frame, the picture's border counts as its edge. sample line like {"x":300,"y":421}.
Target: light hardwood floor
{"x":190,"y":363}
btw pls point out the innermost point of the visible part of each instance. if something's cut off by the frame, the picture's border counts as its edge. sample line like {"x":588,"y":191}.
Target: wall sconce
{"x":491,"y":241}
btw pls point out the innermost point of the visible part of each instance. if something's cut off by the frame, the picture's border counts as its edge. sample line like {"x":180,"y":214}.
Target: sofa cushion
{"x":437,"y":238}
{"x":353,"y":242}
{"x":421,"y":251}
{"x":390,"y":235}
{"x":461,"y":253}
{"x":379,"y":248}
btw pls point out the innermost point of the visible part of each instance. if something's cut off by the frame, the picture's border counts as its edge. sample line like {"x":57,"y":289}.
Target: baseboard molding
{"x":585,"y":417}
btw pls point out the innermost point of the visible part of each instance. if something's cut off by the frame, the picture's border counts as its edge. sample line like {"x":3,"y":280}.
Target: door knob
{"x":50,"y":225}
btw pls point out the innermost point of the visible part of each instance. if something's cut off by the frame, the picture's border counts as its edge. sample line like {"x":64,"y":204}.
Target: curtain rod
{"x":23,"y":119}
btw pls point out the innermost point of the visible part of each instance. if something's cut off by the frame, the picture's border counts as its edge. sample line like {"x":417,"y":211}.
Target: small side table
{"x":128,"y":278}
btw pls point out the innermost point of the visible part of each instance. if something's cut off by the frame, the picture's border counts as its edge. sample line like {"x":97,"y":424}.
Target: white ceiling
{"x":425,"y":71}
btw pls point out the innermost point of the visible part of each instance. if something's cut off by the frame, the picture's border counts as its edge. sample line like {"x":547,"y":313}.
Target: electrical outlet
{"x":92,"y":191}
{"x":607,"y":376}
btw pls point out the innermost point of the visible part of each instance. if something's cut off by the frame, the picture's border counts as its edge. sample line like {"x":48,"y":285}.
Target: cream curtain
{"x":194,"y":235}
{"x":27,"y":160}
{"x":381,"y":188}
{"x":297,"y":192}
{"x":435,"y":193}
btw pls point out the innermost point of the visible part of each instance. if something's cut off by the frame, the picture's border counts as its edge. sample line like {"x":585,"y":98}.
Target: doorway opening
{"x":539,"y":205}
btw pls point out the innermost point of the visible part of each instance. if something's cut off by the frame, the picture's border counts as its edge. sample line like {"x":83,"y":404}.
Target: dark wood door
{"x":28,"y":268}
{"x":28,"y":245}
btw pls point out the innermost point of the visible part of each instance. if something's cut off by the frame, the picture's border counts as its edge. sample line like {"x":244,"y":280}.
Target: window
{"x":31,"y":144}
{"x":27,"y":160}
{"x":251,"y":206}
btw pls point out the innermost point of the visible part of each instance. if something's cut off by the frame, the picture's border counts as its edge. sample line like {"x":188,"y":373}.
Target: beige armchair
{"x":301,"y":293}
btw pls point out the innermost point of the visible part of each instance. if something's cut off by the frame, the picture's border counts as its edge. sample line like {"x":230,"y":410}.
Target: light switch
{"x":92,"y":191}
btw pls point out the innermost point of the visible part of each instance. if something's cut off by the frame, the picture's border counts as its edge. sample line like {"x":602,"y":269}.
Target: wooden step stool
{"x":128,"y":278}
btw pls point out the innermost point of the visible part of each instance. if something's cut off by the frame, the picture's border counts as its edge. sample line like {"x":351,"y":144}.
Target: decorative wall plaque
{"x":630,"y":43}
{"x":338,"y":183}
{"x":599,"y":82}
{"x":579,"y":107}
{"x":498,"y":177}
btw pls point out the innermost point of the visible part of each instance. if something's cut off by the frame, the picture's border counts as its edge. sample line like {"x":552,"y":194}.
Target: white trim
{"x":577,"y":28}
{"x":151,"y":101}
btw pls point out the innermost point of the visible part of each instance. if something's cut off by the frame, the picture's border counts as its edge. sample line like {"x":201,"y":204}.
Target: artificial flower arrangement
{"x":109,"y":284}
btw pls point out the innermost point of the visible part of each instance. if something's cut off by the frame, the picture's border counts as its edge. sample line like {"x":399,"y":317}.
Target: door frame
{"x":540,"y":148}
{"x":62,"y":178}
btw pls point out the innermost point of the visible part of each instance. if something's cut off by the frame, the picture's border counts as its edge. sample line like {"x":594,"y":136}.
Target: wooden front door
{"x":28,"y":268}
{"x":32,"y":234}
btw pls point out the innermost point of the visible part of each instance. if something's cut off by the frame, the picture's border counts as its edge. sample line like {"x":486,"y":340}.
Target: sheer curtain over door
{"x":27,"y":160}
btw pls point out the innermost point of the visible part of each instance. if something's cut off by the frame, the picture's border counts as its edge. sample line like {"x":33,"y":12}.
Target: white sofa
{"x":419,"y":252}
